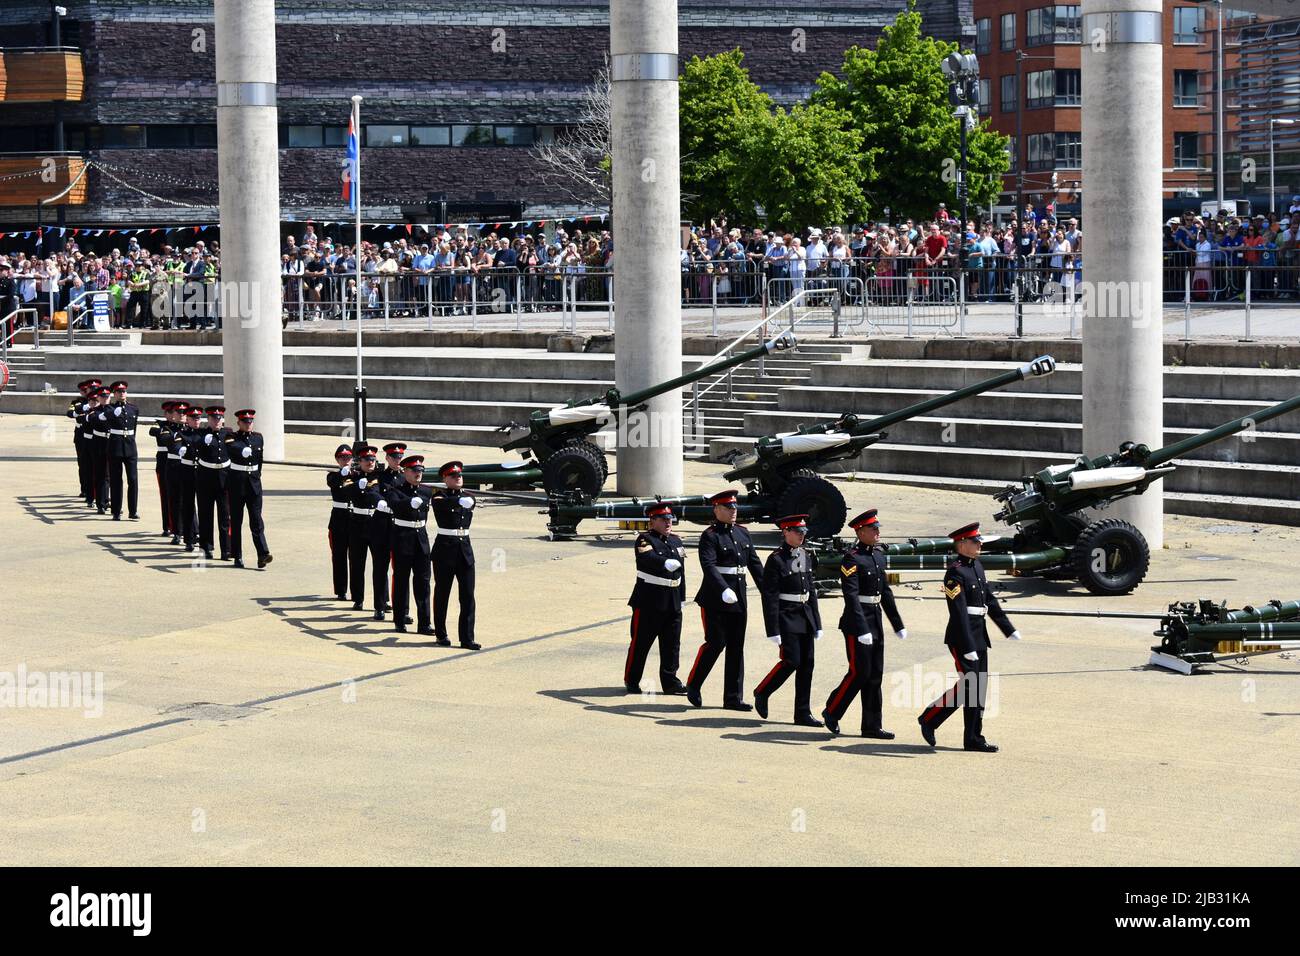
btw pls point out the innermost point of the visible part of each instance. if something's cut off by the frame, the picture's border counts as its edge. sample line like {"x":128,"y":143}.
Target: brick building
{"x":454,"y":93}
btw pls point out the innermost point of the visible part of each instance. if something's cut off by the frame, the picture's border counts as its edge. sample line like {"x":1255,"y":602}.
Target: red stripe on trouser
{"x":772,"y":673}
{"x":704,"y":623}
{"x":631,"y":650}
{"x":834,"y":705}
{"x":939,"y":704}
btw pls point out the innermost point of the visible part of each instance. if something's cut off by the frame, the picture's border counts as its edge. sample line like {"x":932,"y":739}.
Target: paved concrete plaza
{"x":333,"y":743}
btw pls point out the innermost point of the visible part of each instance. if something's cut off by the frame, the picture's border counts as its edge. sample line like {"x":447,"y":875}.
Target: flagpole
{"x":360,"y":394}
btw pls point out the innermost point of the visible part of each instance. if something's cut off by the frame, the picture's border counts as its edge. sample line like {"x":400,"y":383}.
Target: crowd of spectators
{"x":1214,"y":258}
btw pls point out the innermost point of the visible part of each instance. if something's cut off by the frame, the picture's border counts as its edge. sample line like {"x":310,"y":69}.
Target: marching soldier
{"x":362,"y":486}
{"x":792,"y":619}
{"x":390,"y":473}
{"x":726,"y":553}
{"x":81,"y":437}
{"x":656,"y":602}
{"x":97,"y":418}
{"x":244,"y":488}
{"x":123,"y":417}
{"x":210,"y":482}
{"x":182,"y":463}
{"x":452,"y":555}
{"x":162,"y":432}
{"x":865,"y":587}
{"x":970,"y":600}
{"x":409,"y":505}
{"x":339,"y":520}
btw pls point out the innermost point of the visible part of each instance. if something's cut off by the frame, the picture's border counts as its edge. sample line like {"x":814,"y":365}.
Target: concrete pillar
{"x":249,"y":176}
{"x":1123,"y":144}
{"x":647,"y":237}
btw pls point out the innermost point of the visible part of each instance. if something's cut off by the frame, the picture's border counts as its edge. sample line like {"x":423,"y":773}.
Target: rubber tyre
{"x":820,"y":500}
{"x":595,"y":450}
{"x":574,"y":468}
{"x":1126,"y":557}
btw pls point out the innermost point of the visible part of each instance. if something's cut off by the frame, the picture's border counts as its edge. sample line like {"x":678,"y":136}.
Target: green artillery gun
{"x":1193,"y":633}
{"x":557,"y":453}
{"x":1055,"y":538}
{"x":781,"y":474}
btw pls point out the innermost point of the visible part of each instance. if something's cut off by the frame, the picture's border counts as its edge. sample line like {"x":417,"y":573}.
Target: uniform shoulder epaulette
{"x":643,"y":544}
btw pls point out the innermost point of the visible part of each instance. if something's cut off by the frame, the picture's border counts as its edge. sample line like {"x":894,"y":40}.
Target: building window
{"x":1013,"y":154}
{"x":1042,"y":151}
{"x":336,"y":136}
{"x":1052,"y":88}
{"x":1069,"y":151}
{"x":304,"y":137}
{"x":986,"y":97}
{"x":1188,"y":22}
{"x":1048,"y":25}
{"x":471,"y":136}
{"x":1185,"y":91}
{"x":514,"y":136}
{"x":1186,"y":154}
{"x":1008,"y":31}
{"x":430,"y":135}
{"x":169,"y":137}
{"x":123,"y":137}
{"x":983,"y":35}
{"x":1009,"y":93}
{"x":387,"y":136}
{"x":1068,"y":86}
{"x":205,"y":137}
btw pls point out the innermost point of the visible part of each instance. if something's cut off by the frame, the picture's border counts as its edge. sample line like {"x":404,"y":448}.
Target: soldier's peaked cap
{"x":971,"y":530}
{"x":343,"y":450}
{"x":246,"y":413}
{"x":451,"y":468}
{"x":194,"y":411}
{"x":792,"y":521}
{"x":864,"y":519}
{"x":216,"y":409}
{"x":658,"y":509}
{"x":118,"y":385}
{"x":727,"y":497}
{"x":395,"y":448}
{"x":413,"y":461}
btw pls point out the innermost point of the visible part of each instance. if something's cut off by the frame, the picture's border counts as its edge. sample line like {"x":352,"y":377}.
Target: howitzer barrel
{"x":1159,"y":456}
{"x":785,"y":340}
{"x":1040,"y":367}
{"x":1273,"y":611}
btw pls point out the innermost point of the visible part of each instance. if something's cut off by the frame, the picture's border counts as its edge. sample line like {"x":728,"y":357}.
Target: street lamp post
{"x":1272,"y":174}
{"x":962,"y":71}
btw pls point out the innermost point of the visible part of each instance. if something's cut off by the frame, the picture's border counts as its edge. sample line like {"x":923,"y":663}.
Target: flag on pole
{"x":350,"y":174}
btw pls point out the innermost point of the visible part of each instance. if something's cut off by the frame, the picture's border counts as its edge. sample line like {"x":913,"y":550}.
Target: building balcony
{"x":40,"y":75}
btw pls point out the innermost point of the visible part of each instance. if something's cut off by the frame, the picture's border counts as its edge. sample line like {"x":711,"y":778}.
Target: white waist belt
{"x":215,"y":466}
{"x":403,"y":523}
{"x":663,"y":582}
{"x":801,"y":598}
{"x":173,"y":457}
{"x":121,"y":431}
{"x":977,"y":611}
{"x":100,"y":434}
{"x":455,"y":532}
{"x":869,"y":598}
{"x":735,"y":572}
{"x":364,"y":512}
{"x":243,"y":467}
{"x":340,"y":504}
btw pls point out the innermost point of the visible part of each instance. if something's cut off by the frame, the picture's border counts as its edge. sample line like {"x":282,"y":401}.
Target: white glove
{"x":117,"y":410}
{"x":247,"y":452}
{"x":417,"y":502}
{"x":207,"y":439}
{"x":774,"y":638}
{"x":672,"y":564}
{"x":361,"y":482}
{"x":345,"y":470}
{"x":901,"y":633}
{"x":382,"y":506}
{"x":466,"y":502}
{"x":972,"y":656}
{"x":817,"y":636}
{"x":865,"y":639}
{"x":1013,"y":636}
{"x":729,"y":597}
{"x":181,"y":451}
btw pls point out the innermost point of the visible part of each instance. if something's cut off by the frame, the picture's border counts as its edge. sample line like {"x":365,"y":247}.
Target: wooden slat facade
{"x":30,"y":189}
{"x":39,"y":76}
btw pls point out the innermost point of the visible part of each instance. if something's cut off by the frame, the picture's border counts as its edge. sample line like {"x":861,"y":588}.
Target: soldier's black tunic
{"x":210,"y":484}
{"x":244,"y":490}
{"x":656,"y":604}
{"x":163,"y":432}
{"x":182,"y":463}
{"x":865,"y":588}
{"x":81,"y":444}
{"x":790,"y":610}
{"x":123,"y":417}
{"x":368,"y":531}
{"x":97,"y":418}
{"x":452,"y":557}
{"x":726,"y":553}
{"x":340,"y":523}
{"x":970,"y":601}
{"x":409,"y":539}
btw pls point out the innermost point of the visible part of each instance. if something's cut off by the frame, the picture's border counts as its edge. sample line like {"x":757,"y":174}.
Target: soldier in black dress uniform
{"x":162,"y":432}
{"x":970,"y":601}
{"x":123,"y":457}
{"x":864,"y":586}
{"x":792,"y":619}
{"x":244,"y":488}
{"x":390,"y":472}
{"x":656,"y":602}
{"x":452,"y":555}
{"x":339,"y":523}
{"x":81,"y":437}
{"x":726,"y":553}
{"x":182,"y":463}
{"x":362,"y":486}
{"x":210,"y":483}
{"x":409,"y":505}
{"x":97,"y":419}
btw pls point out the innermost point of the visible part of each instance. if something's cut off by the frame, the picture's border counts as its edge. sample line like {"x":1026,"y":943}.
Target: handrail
{"x":73,"y":301}
{"x":7,"y":337}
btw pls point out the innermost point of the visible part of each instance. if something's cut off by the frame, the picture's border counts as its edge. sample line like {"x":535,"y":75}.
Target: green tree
{"x":896,"y":98}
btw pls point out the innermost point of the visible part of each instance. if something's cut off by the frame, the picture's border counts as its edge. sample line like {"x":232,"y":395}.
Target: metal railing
{"x":9,"y":329}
